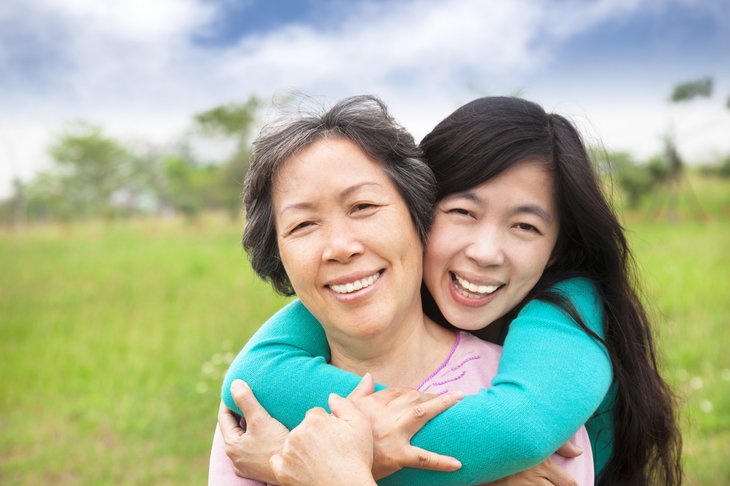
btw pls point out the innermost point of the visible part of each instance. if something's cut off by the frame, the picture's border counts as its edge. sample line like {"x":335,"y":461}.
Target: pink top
{"x":470,"y":367}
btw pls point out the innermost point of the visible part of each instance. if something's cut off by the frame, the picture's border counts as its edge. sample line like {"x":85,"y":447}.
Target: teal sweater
{"x":553,"y":378}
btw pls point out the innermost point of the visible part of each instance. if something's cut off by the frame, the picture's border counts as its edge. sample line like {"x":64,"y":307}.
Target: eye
{"x":299,"y":227}
{"x":527,"y":227}
{"x":362,"y":206}
{"x":458,"y":211}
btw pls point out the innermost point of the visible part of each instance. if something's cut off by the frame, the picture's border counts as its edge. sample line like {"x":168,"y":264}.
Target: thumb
{"x":569,"y":450}
{"x":243,"y":396}
{"x":343,"y":408}
{"x":364,"y":388}
{"x":277,"y":465}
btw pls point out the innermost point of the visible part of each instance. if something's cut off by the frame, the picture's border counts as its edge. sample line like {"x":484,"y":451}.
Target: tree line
{"x":95,"y":175}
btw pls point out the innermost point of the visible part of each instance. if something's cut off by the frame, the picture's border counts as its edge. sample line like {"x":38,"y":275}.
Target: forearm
{"x":552,"y":377}
{"x":285,"y":364}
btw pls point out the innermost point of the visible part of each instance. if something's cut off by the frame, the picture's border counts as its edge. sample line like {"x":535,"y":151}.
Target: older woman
{"x":338,"y":207}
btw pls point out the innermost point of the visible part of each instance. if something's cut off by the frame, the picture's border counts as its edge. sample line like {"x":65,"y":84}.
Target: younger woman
{"x":571,"y":317}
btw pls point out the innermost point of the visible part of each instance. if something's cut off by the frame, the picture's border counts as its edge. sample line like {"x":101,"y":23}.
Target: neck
{"x":403,"y":358}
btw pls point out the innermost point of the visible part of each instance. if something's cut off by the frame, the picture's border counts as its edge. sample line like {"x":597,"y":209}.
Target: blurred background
{"x":125,"y":132}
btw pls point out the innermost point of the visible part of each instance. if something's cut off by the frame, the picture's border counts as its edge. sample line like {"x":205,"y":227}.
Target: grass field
{"x":114,"y":337}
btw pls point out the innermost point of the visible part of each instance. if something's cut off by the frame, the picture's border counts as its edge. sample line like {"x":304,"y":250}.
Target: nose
{"x":486,"y":249}
{"x":342,"y":244}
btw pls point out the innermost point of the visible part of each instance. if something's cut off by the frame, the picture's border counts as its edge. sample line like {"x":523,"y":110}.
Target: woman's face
{"x":346,"y":239}
{"x":489,"y":245}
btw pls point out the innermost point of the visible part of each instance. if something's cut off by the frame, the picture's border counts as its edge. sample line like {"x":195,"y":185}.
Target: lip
{"x":474,"y":279}
{"x":467,"y":301}
{"x":357,"y":294}
{"x":352,"y":277}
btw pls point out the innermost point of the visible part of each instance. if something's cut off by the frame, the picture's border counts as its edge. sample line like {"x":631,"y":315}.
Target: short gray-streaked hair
{"x":365,"y":121}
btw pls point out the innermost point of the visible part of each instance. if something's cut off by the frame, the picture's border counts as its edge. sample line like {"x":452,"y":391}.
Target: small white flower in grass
{"x":696,"y":383}
{"x":229,"y":357}
{"x":201,"y":387}
{"x":706,"y":406}
{"x":725,"y":373}
{"x":217,"y":359}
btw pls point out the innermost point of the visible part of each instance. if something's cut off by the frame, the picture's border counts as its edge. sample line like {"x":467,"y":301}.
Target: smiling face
{"x":347,"y":241}
{"x":489,"y":245}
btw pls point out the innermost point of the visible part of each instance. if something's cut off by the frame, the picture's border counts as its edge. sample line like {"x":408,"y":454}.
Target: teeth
{"x":474,"y":288}
{"x":356,"y":285}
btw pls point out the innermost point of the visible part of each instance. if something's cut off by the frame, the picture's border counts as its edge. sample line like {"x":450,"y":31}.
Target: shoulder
{"x":582,"y":293}
{"x":294,"y":312}
{"x":577,"y":287}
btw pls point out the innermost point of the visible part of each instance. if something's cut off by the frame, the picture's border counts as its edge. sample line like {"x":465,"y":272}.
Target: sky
{"x":141,"y":69}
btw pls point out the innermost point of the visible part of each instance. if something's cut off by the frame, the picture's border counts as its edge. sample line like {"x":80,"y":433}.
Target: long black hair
{"x":486,"y":137}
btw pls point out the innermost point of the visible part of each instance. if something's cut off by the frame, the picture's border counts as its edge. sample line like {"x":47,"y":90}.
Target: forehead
{"x":329,"y":165}
{"x":529,"y":177}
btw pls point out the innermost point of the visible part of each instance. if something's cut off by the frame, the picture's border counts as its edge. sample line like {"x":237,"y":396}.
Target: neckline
{"x":445,"y":362}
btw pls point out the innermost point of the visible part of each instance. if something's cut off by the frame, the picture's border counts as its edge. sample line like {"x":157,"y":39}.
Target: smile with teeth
{"x":350,"y":287}
{"x":473,"y":290}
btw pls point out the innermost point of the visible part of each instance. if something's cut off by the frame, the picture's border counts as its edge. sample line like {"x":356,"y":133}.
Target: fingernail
{"x":238,"y":386}
{"x":454,"y":464}
{"x":458,"y":395}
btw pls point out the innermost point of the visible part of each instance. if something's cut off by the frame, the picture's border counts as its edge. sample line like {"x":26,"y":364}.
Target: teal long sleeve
{"x":552,"y":377}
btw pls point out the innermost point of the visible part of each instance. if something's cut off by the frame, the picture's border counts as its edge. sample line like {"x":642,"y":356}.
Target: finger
{"x":408,"y":398}
{"x":569,"y":450}
{"x":364,"y":388}
{"x":252,"y":410}
{"x":277,"y":466}
{"x":344,"y":409}
{"x":387,"y":395}
{"x":316,"y":413}
{"x":423,"y":459}
{"x":555,"y":474}
{"x":229,"y":424}
{"x":421,"y":413}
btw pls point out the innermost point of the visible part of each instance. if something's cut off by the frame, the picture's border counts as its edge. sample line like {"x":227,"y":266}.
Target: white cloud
{"x":135,"y":67}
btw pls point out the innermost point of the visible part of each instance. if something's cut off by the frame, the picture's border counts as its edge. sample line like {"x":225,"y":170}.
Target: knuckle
{"x":256,"y":420}
{"x":423,"y":459}
{"x":230,"y":449}
{"x":419,"y":412}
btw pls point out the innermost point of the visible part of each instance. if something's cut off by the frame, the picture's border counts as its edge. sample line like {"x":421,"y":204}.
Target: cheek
{"x":297,"y":262}
{"x":533,"y":263}
{"x":435,"y":260}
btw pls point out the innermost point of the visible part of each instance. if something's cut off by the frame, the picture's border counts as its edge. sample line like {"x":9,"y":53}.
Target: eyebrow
{"x":526,"y":208}
{"x":533,"y":209}
{"x":344,"y":194}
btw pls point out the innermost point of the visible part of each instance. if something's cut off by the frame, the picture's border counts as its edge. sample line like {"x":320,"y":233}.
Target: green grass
{"x":114,"y":337}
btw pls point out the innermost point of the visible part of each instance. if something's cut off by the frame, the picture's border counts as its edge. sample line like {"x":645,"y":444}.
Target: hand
{"x":546,"y":473}
{"x":395,"y":416}
{"x":251,"y":449}
{"x":327,"y":449}
{"x":569,"y":450}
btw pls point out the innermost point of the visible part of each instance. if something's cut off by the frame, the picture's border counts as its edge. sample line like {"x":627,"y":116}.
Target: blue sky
{"x":141,"y":69}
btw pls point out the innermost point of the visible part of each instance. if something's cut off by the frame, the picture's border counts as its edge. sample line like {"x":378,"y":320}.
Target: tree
{"x":692,"y":89}
{"x":90,"y":168}
{"x":233,"y":121}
